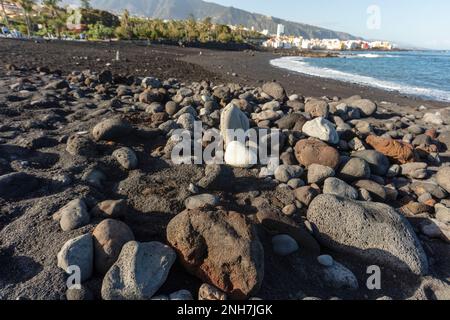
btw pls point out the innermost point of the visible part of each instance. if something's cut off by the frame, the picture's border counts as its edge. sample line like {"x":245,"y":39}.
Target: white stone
{"x":232,"y":118}
{"x":322,"y":129}
{"x":433,"y":118}
{"x":239,"y":156}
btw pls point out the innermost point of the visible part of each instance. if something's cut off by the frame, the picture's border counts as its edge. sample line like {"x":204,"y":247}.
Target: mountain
{"x":182,"y":9}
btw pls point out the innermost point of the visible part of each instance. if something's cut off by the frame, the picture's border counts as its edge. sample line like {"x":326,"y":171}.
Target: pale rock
{"x":442,"y":213}
{"x":284,"y":173}
{"x":78,"y":252}
{"x":239,"y":156}
{"x":317,"y":173}
{"x":139,"y":272}
{"x":232,"y":118}
{"x":200,"y":201}
{"x":209,"y":292}
{"x":126,"y":158}
{"x":433,"y":118}
{"x":322,"y":129}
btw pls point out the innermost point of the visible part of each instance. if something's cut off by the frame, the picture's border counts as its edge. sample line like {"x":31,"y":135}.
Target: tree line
{"x":50,"y":18}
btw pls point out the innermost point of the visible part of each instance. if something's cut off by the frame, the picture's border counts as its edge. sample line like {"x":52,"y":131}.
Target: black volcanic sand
{"x":250,"y":67}
{"x":253,"y":68}
{"x":30,"y":239}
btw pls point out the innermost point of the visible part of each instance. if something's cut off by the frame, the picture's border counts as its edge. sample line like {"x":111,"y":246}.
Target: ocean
{"x":424,"y":74}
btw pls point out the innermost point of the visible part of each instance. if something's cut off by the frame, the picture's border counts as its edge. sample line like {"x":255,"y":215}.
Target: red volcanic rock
{"x":399,"y":151}
{"x":221,"y":248}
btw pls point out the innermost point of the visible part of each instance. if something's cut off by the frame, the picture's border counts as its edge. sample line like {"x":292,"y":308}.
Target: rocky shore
{"x":87,"y":180}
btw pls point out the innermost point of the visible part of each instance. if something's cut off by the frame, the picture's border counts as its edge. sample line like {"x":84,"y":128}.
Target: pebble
{"x":378,"y":162}
{"x":94,"y":177}
{"x":338,"y":276}
{"x":355,"y":169}
{"x":126,"y":158}
{"x":82,"y":294}
{"x":232,"y":119}
{"x":110,"y":209}
{"x":443,"y":178}
{"x":208,"y":292}
{"x":284,"y":245}
{"x":73,"y":215}
{"x":325,"y":260}
{"x":318,"y":173}
{"x":284,"y":173}
{"x":339,"y":188}
{"x":111,"y":129}
{"x":182,"y":295}
{"x":442,"y":213}
{"x":200,"y":201}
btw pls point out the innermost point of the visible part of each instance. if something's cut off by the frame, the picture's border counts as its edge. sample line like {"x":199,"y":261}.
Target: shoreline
{"x":189,"y":64}
{"x":255,"y":69}
{"x":87,"y":147}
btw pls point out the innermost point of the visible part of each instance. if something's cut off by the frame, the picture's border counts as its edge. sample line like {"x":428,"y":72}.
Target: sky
{"x":423,"y":24}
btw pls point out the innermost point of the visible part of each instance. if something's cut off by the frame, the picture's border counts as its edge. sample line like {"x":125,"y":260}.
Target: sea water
{"x":424,"y":74}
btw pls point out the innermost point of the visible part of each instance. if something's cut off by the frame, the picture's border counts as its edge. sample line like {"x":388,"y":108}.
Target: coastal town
{"x":283,"y":41}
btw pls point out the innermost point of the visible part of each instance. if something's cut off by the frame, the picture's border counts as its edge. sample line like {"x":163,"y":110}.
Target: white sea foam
{"x":368,"y":56}
{"x":298,"y":64}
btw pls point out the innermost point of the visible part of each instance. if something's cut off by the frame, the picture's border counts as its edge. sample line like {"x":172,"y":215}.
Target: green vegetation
{"x":179,"y":30}
{"x":102,"y":25}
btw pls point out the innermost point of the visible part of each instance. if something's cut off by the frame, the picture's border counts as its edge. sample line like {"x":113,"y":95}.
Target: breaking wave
{"x":298,"y":64}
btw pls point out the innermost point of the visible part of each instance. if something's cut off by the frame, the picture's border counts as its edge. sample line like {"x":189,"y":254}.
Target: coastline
{"x":189,"y":64}
{"x":103,"y":139}
{"x":256,"y":68}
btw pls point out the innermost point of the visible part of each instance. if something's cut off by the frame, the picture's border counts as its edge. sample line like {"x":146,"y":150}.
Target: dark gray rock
{"x":17,"y":184}
{"x":378,"y":162}
{"x":374,"y":232}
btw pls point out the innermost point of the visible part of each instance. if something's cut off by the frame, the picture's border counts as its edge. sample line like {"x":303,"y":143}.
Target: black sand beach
{"x":189,"y":64}
{"x":53,"y":150}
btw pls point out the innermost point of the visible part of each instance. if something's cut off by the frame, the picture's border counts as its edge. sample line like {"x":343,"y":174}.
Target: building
{"x":280,"y":30}
{"x":288,"y":42}
{"x":381,"y":45}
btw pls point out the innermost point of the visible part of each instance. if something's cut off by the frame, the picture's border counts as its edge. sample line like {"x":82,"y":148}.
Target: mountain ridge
{"x":182,"y":9}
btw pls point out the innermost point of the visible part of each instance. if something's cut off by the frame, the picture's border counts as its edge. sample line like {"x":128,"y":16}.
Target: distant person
{"x":5,"y":30}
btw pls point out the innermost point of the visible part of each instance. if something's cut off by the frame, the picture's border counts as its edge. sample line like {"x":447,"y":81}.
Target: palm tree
{"x":5,"y":16}
{"x":27,"y":7}
{"x":52,"y":7}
